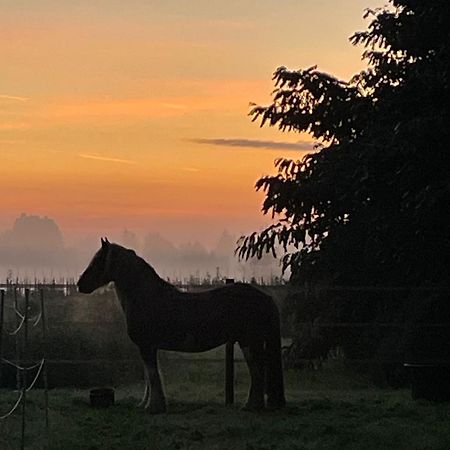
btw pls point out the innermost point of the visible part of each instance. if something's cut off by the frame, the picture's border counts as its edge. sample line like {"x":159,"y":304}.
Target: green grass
{"x":327,"y":409}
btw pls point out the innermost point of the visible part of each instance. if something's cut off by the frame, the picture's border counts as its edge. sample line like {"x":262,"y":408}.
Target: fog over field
{"x":35,"y":247}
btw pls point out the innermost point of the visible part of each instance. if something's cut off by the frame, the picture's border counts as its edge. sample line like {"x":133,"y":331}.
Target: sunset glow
{"x":134,"y":114}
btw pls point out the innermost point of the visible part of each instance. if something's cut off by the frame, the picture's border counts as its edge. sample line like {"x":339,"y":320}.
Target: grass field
{"x":327,"y":409}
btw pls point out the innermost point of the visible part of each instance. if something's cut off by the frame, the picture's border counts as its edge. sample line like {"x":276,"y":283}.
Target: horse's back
{"x":237,"y":311}
{"x":236,"y":296}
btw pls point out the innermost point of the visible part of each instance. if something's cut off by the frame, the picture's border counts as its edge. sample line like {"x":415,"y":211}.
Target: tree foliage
{"x":371,"y":204}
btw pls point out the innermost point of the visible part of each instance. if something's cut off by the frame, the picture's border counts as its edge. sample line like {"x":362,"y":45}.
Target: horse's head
{"x":98,"y":273}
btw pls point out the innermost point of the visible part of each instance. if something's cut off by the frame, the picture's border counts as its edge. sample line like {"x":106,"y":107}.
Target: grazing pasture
{"x":327,"y":408}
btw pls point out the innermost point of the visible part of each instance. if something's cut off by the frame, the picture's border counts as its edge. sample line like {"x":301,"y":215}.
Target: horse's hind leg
{"x":156,"y":402}
{"x":274,"y":370}
{"x":254,"y":357}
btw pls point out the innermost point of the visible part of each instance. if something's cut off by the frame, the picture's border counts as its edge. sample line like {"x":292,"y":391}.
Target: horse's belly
{"x":190,"y":344}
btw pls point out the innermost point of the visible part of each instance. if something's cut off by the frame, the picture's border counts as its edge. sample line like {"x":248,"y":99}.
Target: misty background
{"x":34,"y":247}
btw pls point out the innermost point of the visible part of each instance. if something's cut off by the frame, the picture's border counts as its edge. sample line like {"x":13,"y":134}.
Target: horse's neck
{"x":138,"y":285}
{"x":123,"y":298}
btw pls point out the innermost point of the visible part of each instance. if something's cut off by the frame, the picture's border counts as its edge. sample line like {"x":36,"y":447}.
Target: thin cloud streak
{"x":14,"y":97}
{"x":6,"y":126}
{"x":11,"y":141}
{"x":105,"y":158}
{"x":255,"y":143}
{"x":174,"y":106}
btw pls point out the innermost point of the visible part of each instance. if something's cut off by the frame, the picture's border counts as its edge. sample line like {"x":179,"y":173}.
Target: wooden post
{"x":229,"y":365}
{"x":17,"y":342}
{"x":2,"y":309}
{"x":24,"y":371}
{"x":229,"y":373}
{"x":44,"y":343}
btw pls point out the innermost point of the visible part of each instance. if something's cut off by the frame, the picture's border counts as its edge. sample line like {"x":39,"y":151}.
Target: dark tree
{"x":371,"y":205}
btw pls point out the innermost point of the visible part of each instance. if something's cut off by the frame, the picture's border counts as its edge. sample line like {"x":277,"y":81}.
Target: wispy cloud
{"x":255,"y":143}
{"x":11,"y":141}
{"x":105,"y":158}
{"x":174,"y":106}
{"x":190,"y":169}
{"x":5,"y":126}
{"x":14,"y":97}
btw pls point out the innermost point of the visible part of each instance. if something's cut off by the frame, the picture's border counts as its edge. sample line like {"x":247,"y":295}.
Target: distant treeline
{"x":35,"y":248}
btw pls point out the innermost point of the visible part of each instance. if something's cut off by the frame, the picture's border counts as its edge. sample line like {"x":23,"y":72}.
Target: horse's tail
{"x":273,"y":360}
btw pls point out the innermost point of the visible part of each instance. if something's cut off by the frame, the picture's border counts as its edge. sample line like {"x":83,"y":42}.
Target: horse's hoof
{"x":141,"y":404}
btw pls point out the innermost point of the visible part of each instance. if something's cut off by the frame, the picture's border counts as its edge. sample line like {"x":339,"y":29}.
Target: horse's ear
{"x":109,"y":255}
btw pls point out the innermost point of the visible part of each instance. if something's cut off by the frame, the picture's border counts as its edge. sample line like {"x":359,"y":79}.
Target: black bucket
{"x":430,"y":381}
{"x":102,"y":397}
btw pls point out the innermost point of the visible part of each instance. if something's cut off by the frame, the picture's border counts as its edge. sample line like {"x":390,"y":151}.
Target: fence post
{"x":229,"y":365}
{"x":2,"y":309}
{"x":229,"y":373}
{"x":44,"y":344}
{"x":16,"y":341}
{"x":24,"y":371}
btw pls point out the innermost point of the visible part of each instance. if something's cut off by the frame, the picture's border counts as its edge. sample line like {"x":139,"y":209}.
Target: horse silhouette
{"x":160,"y":316}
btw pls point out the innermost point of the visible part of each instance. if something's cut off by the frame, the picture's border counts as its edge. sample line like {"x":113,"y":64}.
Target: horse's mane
{"x":147,"y":270}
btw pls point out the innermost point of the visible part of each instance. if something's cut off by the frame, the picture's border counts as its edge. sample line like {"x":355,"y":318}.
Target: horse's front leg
{"x":156,"y":402}
{"x":146,"y":395}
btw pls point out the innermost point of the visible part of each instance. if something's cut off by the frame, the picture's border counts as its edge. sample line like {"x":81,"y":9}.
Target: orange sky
{"x":133,"y":114}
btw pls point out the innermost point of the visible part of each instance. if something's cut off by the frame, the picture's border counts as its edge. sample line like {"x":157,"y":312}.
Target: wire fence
{"x":385,"y":310}
{"x":308,"y":332}
{"x":21,"y":365}
{"x":83,"y":338}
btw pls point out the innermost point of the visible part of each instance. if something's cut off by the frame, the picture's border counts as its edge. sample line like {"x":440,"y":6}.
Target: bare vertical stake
{"x":229,"y":373}
{"x":25,"y":356}
{"x":229,"y":365}
{"x":18,"y":359}
{"x":2,"y":309}
{"x":44,"y":345}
